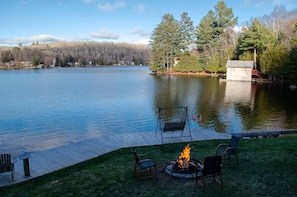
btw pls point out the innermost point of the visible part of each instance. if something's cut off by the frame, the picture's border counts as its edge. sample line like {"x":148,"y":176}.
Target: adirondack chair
{"x":7,"y":164}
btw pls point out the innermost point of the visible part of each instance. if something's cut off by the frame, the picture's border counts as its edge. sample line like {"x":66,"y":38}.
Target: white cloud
{"x":110,"y":6}
{"x":144,"y":41}
{"x":43,"y":38}
{"x":104,"y":34}
{"x":140,"y":32}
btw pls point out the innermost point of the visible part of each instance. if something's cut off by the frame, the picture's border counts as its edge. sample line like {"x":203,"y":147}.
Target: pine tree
{"x":212,"y":38}
{"x":187,"y":31}
{"x":257,"y":37}
{"x":165,"y":42}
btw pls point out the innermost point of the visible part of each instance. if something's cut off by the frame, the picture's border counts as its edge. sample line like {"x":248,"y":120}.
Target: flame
{"x":184,"y":157}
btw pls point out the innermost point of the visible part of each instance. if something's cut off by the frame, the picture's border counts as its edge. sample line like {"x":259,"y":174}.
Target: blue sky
{"x":131,"y":21}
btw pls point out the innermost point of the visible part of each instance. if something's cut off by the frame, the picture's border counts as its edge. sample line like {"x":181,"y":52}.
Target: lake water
{"x":42,"y":109}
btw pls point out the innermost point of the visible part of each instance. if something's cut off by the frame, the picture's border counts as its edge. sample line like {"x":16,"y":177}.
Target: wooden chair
{"x":212,"y":167}
{"x":229,"y":150}
{"x":7,"y":164}
{"x":143,"y":166}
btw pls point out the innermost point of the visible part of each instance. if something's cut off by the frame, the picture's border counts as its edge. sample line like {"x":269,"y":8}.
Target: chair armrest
{"x":144,"y":156}
{"x":197,"y":164}
{"x":230,"y":148}
{"x":144,"y":160}
{"x":221,"y":146}
{"x":14,"y":159}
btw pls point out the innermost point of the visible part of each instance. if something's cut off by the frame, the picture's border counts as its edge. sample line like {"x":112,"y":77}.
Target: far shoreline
{"x":200,"y":74}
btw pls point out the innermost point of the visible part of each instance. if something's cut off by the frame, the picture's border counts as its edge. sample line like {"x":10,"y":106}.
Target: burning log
{"x":183,"y":164}
{"x":184,"y":157}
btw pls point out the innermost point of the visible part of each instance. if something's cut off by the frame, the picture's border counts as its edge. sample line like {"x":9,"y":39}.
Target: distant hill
{"x":68,"y":54}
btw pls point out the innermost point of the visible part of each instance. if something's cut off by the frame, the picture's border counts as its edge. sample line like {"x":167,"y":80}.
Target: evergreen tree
{"x":187,"y":31}
{"x":188,"y":63}
{"x":206,"y":33}
{"x":292,"y":66}
{"x":166,"y":43}
{"x":257,"y":37}
{"x":212,"y":38}
{"x":274,"y":61}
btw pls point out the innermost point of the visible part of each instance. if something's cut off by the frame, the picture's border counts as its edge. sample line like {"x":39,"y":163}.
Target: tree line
{"x":70,"y":54}
{"x":270,"y":41}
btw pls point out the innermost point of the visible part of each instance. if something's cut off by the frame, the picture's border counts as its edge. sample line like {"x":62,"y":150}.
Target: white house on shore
{"x":238,"y":70}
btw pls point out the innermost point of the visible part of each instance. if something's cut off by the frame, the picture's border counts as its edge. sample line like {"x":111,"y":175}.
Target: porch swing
{"x":172,"y":120}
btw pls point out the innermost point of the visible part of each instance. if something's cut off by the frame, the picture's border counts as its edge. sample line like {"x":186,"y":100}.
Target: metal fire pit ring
{"x":185,"y":175}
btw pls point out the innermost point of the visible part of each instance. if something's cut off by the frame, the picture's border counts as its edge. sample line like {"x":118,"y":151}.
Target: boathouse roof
{"x":239,"y":64}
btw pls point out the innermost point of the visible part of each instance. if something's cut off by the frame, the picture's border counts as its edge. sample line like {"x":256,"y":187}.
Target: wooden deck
{"x":44,"y":162}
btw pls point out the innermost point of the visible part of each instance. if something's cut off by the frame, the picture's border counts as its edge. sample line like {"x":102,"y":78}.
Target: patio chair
{"x":7,"y":164}
{"x":229,"y":150}
{"x":212,"y":167}
{"x":143,"y":166}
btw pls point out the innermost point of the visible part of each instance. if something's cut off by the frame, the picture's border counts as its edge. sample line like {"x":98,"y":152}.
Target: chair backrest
{"x":5,"y":163}
{"x":234,"y":142}
{"x":135,"y":155}
{"x":212,"y":165}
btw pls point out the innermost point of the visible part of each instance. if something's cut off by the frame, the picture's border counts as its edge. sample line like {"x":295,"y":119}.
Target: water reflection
{"x":42,"y":109}
{"x":229,"y":106}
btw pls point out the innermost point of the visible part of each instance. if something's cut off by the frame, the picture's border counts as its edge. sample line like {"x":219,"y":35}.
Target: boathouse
{"x":238,"y":70}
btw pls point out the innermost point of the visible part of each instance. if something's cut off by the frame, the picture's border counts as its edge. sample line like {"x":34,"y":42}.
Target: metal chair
{"x":212,"y":167}
{"x":7,"y":164}
{"x":143,"y":166}
{"x":229,"y":150}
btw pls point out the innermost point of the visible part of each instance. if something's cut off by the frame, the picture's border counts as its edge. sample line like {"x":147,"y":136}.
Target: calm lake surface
{"x":42,"y":109}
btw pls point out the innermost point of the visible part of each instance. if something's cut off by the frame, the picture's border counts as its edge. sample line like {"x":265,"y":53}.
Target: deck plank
{"x":47,"y":161}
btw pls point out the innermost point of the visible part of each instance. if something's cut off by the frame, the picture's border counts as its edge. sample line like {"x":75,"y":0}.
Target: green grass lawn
{"x":267,"y":167}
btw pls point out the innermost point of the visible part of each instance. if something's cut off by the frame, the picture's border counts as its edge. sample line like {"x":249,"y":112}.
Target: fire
{"x":184,"y":157}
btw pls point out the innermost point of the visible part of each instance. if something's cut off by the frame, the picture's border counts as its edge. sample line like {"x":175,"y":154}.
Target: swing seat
{"x":173,"y":122}
{"x":174,"y":126}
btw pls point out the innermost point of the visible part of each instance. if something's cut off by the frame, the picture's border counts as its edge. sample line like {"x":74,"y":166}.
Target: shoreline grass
{"x":267,"y":167}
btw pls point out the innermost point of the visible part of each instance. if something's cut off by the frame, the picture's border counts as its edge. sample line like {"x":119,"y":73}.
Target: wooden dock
{"x":44,"y":162}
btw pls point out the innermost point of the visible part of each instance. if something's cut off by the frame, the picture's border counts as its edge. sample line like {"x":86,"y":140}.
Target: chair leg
{"x":203,"y":184}
{"x":196,"y":178}
{"x":12,"y":173}
{"x":134,"y":170}
{"x":155,"y":172}
{"x":139,"y":174}
{"x":221,"y":179}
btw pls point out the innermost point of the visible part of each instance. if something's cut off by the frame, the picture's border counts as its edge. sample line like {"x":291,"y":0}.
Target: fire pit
{"x":184,"y":166}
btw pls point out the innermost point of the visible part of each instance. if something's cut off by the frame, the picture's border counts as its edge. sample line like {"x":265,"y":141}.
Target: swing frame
{"x":167,"y":128}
